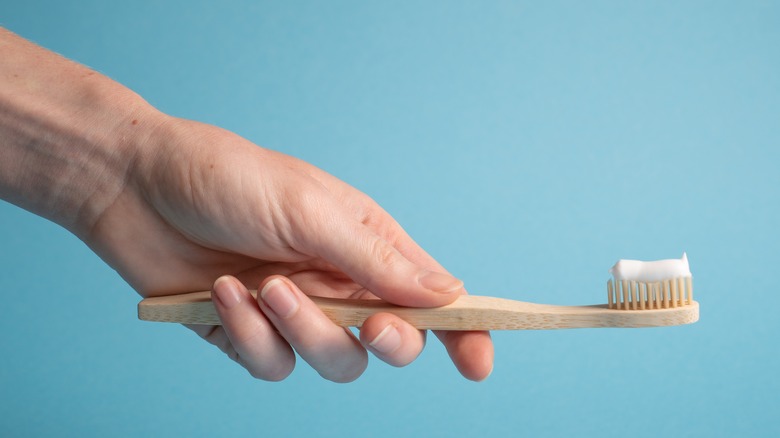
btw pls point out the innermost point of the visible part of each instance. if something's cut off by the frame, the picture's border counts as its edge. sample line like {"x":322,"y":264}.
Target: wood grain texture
{"x":469,"y":312}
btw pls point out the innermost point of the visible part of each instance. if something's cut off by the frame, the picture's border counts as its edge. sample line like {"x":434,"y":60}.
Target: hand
{"x":174,"y":205}
{"x":201,"y":202}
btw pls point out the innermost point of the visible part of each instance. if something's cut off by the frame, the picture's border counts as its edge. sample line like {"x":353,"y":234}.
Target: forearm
{"x":69,"y":137}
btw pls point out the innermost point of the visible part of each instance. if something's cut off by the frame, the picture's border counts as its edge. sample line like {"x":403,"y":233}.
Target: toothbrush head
{"x":640,"y":295}
{"x":660,"y":284}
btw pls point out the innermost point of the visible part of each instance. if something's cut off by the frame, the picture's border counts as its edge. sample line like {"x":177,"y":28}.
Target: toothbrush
{"x":469,"y":312}
{"x":642,"y":294}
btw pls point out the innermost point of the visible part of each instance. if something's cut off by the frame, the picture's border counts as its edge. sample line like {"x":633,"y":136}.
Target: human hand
{"x":174,"y":205}
{"x":201,"y":202}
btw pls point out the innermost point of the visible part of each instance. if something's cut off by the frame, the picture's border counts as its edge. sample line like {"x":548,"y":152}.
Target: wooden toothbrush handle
{"x":469,"y":312}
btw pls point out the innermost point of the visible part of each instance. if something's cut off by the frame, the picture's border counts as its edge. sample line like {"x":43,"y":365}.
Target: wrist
{"x":69,"y":137}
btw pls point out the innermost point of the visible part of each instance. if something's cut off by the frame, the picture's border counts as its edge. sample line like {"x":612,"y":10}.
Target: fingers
{"x":392,"y":339}
{"x":471,"y":352}
{"x":398,"y":276}
{"x":398,"y":343}
{"x":257,"y":346}
{"x":331,"y":350}
{"x":249,"y":333}
{"x":376,"y":264}
{"x":373,"y":250}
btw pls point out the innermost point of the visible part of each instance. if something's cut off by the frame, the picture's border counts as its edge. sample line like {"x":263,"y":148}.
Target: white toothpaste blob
{"x":649,"y":272}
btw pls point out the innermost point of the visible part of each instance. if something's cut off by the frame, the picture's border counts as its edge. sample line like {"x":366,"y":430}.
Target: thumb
{"x":377,"y":265}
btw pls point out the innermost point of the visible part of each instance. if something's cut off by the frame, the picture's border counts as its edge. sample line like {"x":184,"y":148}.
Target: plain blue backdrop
{"x":526,"y":145}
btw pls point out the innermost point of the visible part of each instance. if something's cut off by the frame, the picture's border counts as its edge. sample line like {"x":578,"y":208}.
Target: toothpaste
{"x":648,"y":272}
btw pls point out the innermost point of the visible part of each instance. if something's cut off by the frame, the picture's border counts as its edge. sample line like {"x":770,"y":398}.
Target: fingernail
{"x":387,"y":341}
{"x":440,"y":283}
{"x":227,"y":292}
{"x":278,"y":296}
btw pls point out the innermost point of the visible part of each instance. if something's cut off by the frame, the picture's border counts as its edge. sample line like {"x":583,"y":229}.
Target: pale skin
{"x":177,"y":206}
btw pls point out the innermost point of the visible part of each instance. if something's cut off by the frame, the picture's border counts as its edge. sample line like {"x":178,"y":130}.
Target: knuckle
{"x":383,"y":253}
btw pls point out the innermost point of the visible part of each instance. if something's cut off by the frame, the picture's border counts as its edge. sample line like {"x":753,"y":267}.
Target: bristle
{"x":633,"y":295}
{"x":681,"y":288}
{"x":680,"y":292}
{"x":655,"y":295}
{"x":649,"y":292}
{"x":624,"y":288}
{"x":665,"y":287}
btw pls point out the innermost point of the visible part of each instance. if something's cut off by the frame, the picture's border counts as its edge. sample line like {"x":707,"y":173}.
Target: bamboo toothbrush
{"x":632,"y":302}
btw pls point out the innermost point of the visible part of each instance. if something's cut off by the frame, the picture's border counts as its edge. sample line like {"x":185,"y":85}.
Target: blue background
{"x":526,"y":145}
